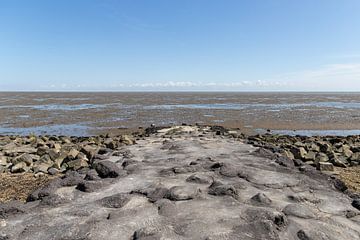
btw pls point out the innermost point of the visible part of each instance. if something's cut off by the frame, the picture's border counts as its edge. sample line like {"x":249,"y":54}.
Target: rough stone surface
{"x":265,"y":200}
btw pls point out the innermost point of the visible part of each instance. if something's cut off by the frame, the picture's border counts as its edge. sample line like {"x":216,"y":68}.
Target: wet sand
{"x":95,"y":113}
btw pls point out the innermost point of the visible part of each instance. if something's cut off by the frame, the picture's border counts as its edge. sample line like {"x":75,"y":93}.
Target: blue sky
{"x":236,"y":45}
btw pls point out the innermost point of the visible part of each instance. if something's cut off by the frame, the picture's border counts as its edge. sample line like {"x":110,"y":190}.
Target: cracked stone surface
{"x":186,"y":186}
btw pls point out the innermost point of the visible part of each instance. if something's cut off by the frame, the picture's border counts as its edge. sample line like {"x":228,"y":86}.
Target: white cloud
{"x":332,"y":77}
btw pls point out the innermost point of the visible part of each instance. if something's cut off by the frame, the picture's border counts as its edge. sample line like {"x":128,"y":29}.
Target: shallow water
{"x":64,"y":113}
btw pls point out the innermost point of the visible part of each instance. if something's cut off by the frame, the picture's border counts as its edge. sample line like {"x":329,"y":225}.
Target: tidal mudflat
{"x":93,"y":113}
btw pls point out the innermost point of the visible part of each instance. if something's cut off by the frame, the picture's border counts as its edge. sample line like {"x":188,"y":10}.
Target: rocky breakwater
{"x":185,"y":183}
{"x":53,"y":155}
{"x":321,"y":152}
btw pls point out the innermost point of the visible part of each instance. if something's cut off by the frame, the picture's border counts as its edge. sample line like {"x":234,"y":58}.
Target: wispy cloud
{"x":332,"y":77}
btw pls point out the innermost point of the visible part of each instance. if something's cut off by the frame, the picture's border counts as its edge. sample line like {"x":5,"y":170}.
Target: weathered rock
{"x":147,"y":233}
{"x":338,"y":160}
{"x":299,"y":210}
{"x":71,"y":178}
{"x":181,"y":193}
{"x":110,"y":143}
{"x":42,"y":150}
{"x":53,"y":154}
{"x":72,"y":154}
{"x":77,"y":164}
{"x":41,"y":167}
{"x":325,"y":166}
{"x":10,"y":209}
{"x":299,"y":152}
{"x":261,"y":199}
{"x":90,"y":186}
{"x":115,"y":201}
{"x":311,"y":155}
{"x":44,"y":191}
{"x":92,"y":175}
{"x":220,"y":189}
{"x":356,"y":203}
{"x":126,"y":139}
{"x":3,"y":161}
{"x":199,"y":178}
{"x":26,"y":158}
{"x":90,"y":151}
{"x":19,"y":168}
{"x":107,"y":169}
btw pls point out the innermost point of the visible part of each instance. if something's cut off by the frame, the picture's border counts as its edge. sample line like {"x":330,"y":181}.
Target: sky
{"x":179,"y":45}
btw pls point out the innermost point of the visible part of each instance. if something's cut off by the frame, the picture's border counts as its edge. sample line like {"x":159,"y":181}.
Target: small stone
{"x":90,"y":151}
{"x":325,"y":166}
{"x":199,"y":178}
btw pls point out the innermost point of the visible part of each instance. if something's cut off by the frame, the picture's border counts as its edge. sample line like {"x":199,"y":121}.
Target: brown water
{"x":92,"y":113}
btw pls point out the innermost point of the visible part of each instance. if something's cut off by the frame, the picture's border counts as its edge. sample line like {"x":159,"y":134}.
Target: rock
{"x":19,"y":168}
{"x":325,"y":166}
{"x":72,"y":154}
{"x":147,"y":233}
{"x":285,"y":161}
{"x":181,"y":193}
{"x":220,"y":189}
{"x":325,"y":147}
{"x":313,"y":147}
{"x":355,"y":156}
{"x":261,"y":199}
{"x":110,"y":143}
{"x":44,"y":191}
{"x":311,"y":155}
{"x":90,"y":186}
{"x":92,"y":175}
{"x":41,"y":167}
{"x":13,"y":149}
{"x":90,"y":151}
{"x":115,"y":201}
{"x":154,"y":194}
{"x":77,"y":164}
{"x":42,"y":150}
{"x":107,"y":169}
{"x":338,"y":160}
{"x":299,"y":210}
{"x":321,"y":157}
{"x":166,"y":207}
{"x":199,"y":178}
{"x":53,"y":154}
{"x":26,"y":158}
{"x":53,"y":171}
{"x":126,"y":139}
{"x":10,"y":209}
{"x":288,"y":154}
{"x":299,"y":152}
{"x":356,"y":203}
{"x":71,"y":178}
{"x":3,"y":161}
